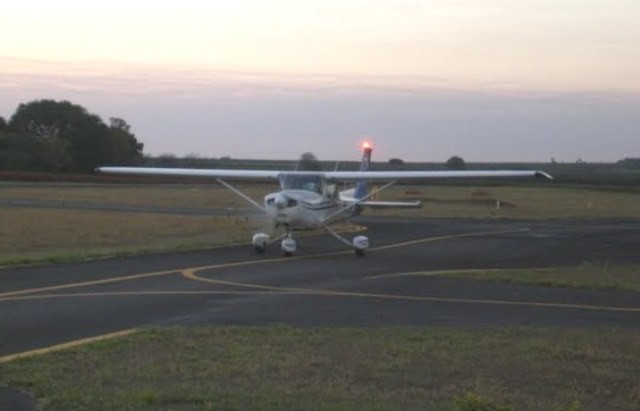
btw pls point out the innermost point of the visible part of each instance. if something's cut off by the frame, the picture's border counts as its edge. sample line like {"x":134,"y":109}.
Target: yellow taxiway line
{"x":433,"y":273}
{"x":67,"y":345}
{"x":85,"y":283}
{"x":190,"y":273}
{"x":450,"y":237}
{"x":3,"y":296}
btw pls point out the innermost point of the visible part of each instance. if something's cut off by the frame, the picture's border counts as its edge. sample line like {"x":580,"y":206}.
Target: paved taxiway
{"x":397,"y":283}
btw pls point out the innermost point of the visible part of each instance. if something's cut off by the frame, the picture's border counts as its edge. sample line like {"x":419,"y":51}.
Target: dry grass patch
{"x":544,"y":201}
{"x":585,"y":275}
{"x":278,"y":368}
{"x":516,"y":202}
{"x":36,"y":233}
{"x":188,"y":195}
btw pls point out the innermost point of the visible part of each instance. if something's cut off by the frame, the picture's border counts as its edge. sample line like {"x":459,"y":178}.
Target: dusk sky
{"x":501,"y":80}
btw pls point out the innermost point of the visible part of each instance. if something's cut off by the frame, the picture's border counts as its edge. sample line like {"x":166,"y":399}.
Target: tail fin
{"x":361,"y":186}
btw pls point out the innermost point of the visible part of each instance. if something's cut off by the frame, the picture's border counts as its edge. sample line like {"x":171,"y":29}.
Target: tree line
{"x":58,"y":136}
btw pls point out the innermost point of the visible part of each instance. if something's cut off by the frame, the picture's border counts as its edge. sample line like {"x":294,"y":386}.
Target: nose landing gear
{"x":288,"y":245}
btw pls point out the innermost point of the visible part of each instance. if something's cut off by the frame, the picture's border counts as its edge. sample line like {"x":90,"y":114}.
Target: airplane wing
{"x":338,"y":176}
{"x":390,"y":204}
{"x":346,"y":176}
{"x":193,"y":172}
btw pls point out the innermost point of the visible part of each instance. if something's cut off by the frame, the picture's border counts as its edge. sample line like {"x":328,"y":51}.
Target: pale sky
{"x":489,"y":80}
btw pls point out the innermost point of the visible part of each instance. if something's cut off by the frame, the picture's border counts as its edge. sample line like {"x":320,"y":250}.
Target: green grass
{"x":236,"y":368}
{"x":586,"y":275}
{"x":152,"y":195}
{"x":542,"y":201}
{"x":37,"y":235}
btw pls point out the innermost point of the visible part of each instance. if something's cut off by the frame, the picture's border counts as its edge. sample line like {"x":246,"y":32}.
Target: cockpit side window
{"x":309,"y":182}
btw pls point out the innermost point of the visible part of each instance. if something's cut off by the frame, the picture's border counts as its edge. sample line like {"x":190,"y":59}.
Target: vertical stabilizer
{"x":361,"y":186}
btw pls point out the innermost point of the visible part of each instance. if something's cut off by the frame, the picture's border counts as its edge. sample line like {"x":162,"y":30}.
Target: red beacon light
{"x":366,"y":145}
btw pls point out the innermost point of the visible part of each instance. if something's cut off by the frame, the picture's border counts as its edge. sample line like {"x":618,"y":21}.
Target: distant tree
{"x":630,"y":162}
{"x":195,"y":161}
{"x":166,"y":159}
{"x":33,"y":153}
{"x":119,"y":124}
{"x":122,"y":148}
{"x":89,"y":142}
{"x":309,"y":162}
{"x":396,"y":161}
{"x":455,"y":163}
{"x":3,"y":124}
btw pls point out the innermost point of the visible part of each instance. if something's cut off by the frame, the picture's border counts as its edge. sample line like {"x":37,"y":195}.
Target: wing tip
{"x":542,"y":174}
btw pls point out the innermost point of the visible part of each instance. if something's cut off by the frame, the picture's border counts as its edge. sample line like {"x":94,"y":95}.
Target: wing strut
{"x":338,"y":236}
{"x":241,"y":194}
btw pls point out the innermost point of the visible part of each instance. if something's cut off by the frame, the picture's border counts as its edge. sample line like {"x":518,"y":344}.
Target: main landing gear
{"x":360,"y":243}
{"x":289,"y":245}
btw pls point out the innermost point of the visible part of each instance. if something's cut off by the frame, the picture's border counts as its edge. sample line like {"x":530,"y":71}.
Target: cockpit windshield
{"x":308,"y":182}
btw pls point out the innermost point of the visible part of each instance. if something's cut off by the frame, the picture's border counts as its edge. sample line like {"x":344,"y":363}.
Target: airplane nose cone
{"x":281,"y":201}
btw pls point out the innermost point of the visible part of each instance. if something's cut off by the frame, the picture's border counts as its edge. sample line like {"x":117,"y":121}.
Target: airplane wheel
{"x":260,"y":241}
{"x":289,"y":246}
{"x":360,"y":245}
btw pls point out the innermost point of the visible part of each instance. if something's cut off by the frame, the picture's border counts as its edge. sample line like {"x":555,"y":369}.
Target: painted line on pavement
{"x":66,"y":345}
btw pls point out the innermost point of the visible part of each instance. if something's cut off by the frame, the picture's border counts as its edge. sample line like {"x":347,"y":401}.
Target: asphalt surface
{"x":326,"y":285}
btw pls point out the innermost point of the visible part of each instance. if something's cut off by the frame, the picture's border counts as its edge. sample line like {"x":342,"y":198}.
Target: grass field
{"x":188,"y":195}
{"x":540,"y":201}
{"x":229,"y":368}
{"x":239,"y":368}
{"x":521,"y":202}
{"x":600,"y":275}
{"x":31,"y":235}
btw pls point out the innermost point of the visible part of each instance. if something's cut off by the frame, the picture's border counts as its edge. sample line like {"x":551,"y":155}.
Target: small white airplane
{"x":311,"y":199}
